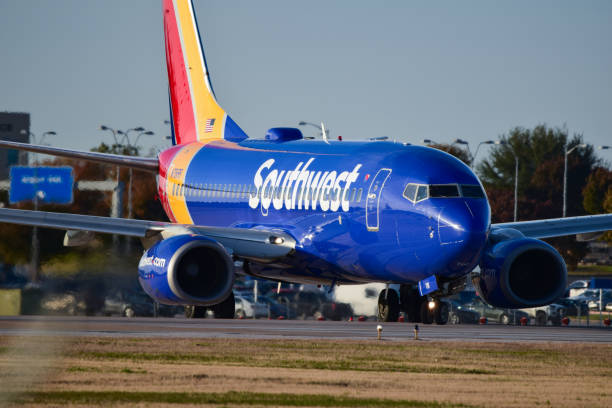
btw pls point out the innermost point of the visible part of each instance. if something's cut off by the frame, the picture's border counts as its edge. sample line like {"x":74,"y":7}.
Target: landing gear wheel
{"x":426,"y":314}
{"x":195,"y":312}
{"x":225,"y":309}
{"x":441,"y":313}
{"x":388,"y":306}
{"x":410,"y":302}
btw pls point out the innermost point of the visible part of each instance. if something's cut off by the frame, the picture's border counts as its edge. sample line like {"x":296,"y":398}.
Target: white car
{"x":577,"y":288}
{"x":249,"y":309}
{"x":552,"y":313}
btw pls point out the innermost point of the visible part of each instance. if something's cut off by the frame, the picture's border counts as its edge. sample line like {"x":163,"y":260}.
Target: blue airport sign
{"x":52,"y":185}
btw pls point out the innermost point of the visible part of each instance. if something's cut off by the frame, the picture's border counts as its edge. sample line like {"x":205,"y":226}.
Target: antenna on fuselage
{"x":324,"y":132}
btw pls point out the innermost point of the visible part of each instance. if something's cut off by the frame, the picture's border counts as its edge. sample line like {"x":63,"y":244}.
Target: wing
{"x":149,"y":164}
{"x":556,"y":227}
{"x":260,"y":244}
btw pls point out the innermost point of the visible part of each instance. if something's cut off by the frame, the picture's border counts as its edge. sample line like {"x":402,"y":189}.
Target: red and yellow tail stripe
{"x":175,"y":182}
{"x":196,"y":114}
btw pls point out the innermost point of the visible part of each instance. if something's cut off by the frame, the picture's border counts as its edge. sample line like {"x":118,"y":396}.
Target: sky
{"x":409,"y":70}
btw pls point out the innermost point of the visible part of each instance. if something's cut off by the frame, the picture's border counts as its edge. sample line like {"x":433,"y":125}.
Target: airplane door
{"x":373,"y":199}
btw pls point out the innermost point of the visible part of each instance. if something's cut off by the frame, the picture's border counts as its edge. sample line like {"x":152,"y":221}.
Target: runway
{"x":298,"y":329}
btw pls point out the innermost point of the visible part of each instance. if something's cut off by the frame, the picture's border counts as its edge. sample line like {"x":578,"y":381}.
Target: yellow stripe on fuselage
{"x":175,"y":180}
{"x":204,"y":104}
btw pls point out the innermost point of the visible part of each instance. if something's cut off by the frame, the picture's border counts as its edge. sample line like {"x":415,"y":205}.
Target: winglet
{"x":195,"y":113}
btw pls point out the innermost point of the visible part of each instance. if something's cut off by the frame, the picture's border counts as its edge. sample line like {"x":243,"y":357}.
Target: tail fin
{"x":195,"y":113}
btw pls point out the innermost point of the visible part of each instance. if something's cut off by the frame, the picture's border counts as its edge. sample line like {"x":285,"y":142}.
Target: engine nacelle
{"x":517,"y":272}
{"x":187,"y":270}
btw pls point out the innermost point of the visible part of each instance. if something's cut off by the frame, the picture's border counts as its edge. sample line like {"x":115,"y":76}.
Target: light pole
{"x":117,"y":144}
{"x":429,"y":142}
{"x":463,"y":142}
{"x":567,"y":152}
{"x":35,"y":242}
{"x":516,"y":163}
{"x":487,"y":142}
{"x":326,"y":135}
{"x":133,"y":148}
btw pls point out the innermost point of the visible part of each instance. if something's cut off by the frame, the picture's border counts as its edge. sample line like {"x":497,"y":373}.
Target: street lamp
{"x":325,"y":136}
{"x":429,"y":141}
{"x":567,"y":152}
{"x":604,"y":147}
{"x":35,"y":241}
{"x":487,"y":142}
{"x":466,"y":144}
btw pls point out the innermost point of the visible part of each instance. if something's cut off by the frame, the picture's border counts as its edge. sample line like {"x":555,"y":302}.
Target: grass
{"x":592,"y":270}
{"x":334,"y":373}
{"x":232,"y":397}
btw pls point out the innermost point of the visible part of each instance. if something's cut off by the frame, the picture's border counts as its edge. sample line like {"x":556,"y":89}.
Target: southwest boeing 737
{"x":313,"y":211}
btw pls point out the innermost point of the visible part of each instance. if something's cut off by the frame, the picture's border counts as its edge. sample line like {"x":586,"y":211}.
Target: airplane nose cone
{"x":458,"y":222}
{"x":462,"y":230}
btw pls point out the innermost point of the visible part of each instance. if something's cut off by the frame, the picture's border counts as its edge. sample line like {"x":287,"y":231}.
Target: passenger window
{"x":410,"y":191}
{"x":421,"y":193}
{"x":359,"y":193}
{"x":353,"y":194}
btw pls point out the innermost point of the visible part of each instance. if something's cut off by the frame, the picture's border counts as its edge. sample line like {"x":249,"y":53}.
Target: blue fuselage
{"x":347,"y":205}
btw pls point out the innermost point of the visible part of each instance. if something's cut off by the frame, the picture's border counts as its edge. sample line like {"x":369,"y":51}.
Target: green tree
{"x":541,"y":155}
{"x":597,"y":195}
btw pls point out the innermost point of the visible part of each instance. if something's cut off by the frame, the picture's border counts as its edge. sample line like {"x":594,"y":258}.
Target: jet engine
{"x":518,"y":272}
{"x":187,"y":269}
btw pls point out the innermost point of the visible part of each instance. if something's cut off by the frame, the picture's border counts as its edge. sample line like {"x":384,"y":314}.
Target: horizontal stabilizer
{"x":150,"y":164}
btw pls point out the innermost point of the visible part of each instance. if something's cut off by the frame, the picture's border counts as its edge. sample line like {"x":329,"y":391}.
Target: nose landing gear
{"x":388,"y":306}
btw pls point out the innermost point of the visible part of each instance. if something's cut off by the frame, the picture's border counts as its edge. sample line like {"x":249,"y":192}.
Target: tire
{"x":441,"y":313}
{"x":540,"y":319}
{"x":225,"y":309}
{"x":128,"y":312}
{"x":195,"y":312}
{"x":410,"y":301}
{"x":426,"y":314}
{"x":388,"y":306}
{"x":504,"y":319}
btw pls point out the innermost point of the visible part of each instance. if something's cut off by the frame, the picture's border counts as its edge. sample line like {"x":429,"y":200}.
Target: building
{"x":11,"y":126}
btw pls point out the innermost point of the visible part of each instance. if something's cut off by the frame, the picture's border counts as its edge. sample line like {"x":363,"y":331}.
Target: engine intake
{"x":187,"y":269}
{"x":517,"y":272}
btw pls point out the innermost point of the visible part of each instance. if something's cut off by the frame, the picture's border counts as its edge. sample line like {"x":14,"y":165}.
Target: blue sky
{"x":405,"y":69}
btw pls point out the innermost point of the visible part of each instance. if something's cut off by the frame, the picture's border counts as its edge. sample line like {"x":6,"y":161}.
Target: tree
{"x":15,"y":239}
{"x":461,"y":154}
{"x":541,"y":157}
{"x":597,"y":195}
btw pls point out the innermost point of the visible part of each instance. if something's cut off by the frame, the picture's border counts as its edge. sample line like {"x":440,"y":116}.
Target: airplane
{"x":312,"y":211}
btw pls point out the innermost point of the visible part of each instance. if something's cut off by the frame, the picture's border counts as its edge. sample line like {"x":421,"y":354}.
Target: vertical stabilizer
{"x":195,"y":113}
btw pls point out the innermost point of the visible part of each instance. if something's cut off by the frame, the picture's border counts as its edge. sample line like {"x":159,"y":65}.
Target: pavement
{"x":289,"y":329}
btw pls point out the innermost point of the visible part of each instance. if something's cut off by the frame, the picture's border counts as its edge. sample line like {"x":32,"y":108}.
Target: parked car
{"x":595,"y":304}
{"x":459,"y":314}
{"x":572,"y":306}
{"x":128,"y":304}
{"x":496,"y":314}
{"x":273,"y":309}
{"x":578,"y":287}
{"x":250,"y":309}
{"x":552,"y":313}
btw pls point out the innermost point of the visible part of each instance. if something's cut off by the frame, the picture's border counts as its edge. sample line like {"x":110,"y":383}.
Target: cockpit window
{"x":421,"y":193}
{"x":410,"y":191}
{"x":443,"y":190}
{"x":471,"y":191}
